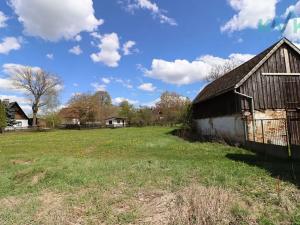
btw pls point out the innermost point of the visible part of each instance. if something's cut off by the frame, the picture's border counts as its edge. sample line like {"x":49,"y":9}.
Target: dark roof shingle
{"x":228,"y":81}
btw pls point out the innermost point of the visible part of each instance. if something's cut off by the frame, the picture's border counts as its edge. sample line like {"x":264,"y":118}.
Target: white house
{"x":116,"y":122}
{"x":20,"y":117}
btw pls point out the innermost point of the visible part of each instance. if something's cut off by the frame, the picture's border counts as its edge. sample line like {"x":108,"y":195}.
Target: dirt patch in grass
{"x":51,"y":210}
{"x":195,"y":205}
{"x":200,"y":205}
{"x":155,"y":207}
{"x":10,"y":202}
{"x":38,"y":177}
{"x":21,"y":162}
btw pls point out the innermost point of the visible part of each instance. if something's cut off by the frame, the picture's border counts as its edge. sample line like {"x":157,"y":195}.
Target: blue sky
{"x":134,"y":49}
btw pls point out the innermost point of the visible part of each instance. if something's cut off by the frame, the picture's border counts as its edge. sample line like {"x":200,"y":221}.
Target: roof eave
{"x":215,"y":95}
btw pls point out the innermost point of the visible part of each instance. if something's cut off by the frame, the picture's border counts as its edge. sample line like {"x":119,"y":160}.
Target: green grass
{"x":97,"y":176}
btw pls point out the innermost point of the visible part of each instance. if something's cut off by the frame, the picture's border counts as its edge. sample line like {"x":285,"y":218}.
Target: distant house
{"x":258,"y":103}
{"x":69,"y":116}
{"x":116,"y":122}
{"x":20,"y":117}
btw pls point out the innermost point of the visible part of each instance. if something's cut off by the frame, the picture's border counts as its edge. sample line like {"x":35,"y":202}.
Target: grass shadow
{"x":187,"y":135}
{"x":193,"y":136}
{"x":286,"y":170}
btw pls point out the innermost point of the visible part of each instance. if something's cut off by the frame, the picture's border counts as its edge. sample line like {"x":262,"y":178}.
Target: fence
{"x":271,"y":137}
{"x":268,"y":131}
{"x":82,"y":126}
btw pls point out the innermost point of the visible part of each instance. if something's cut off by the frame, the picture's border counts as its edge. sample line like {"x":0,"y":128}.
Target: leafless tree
{"x":38,"y":84}
{"x":219,"y":70}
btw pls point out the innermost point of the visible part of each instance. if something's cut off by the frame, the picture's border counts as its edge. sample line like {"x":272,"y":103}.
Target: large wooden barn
{"x":256,"y":103}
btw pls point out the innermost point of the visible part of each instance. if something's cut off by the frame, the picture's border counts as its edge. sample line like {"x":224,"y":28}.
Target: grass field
{"x":139,"y":176}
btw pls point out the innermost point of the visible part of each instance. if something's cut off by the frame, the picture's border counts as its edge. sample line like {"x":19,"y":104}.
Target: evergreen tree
{"x":3,"y":121}
{"x":10,"y":115}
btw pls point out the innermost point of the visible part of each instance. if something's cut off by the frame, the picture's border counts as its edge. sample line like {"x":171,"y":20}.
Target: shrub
{"x":3,"y":122}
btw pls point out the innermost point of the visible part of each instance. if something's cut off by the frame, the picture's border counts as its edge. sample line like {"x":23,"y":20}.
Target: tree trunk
{"x":34,"y":119}
{"x":34,"y":115}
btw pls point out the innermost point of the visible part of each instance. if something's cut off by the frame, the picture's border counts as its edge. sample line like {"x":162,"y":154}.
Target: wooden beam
{"x":287,"y":60}
{"x":281,"y":74}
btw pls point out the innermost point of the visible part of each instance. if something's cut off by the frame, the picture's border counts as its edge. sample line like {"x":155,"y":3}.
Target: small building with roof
{"x":116,"y":122}
{"x":257,"y":102}
{"x":21,"y":120}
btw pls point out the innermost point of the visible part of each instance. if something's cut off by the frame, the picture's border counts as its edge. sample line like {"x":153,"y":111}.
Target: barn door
{"x":293,"y":121}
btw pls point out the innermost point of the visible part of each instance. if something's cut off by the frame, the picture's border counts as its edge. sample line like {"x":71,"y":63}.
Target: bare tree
{"x":39,"y":85}
{"x":219,"y":70}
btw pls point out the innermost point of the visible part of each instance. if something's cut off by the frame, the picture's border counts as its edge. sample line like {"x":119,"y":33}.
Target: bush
{"x":3,"y":122}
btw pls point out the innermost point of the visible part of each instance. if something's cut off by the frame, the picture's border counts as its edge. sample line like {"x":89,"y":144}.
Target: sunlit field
{"x":139,"y":176}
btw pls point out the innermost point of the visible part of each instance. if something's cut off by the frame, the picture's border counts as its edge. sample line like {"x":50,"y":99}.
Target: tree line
{"x":97,"y":107}
{"x":42,"y":90}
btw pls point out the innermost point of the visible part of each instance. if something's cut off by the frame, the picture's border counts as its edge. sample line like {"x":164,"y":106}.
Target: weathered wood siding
{"x":274,"y":92}
{"x":222,"y":105}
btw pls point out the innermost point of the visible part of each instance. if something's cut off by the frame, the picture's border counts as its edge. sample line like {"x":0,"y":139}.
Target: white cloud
{"x":75,"y":85}
{"x":147,"y":87}
{"x":26,"y":108}
{"x":14,"y":98}
{"x":118,"y":100}
{"x":76,"y":50}
{"x":3,"y":20}
{"x":183,"y":72}
{"x":98,"y":87}
{"x":127,"y":47}
{"x":9,"y":44}
{"x":292,"y":30}
{"x":293,"y":9}
{"x":55,"y":19}
{"x":96,"y":35}
{"x":7,"y":85}
{"x":124,"y":83}
{"x":132,"y":5}
{"x":105,"y":80}
{"x":78,"y":38}
{"x":50,"y":56}
{"x":10,"y":68}
{"x":249,"y":14}
{"x":109,"y":50}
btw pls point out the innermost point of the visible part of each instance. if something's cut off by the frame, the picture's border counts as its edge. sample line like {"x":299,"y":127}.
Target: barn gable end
{"x":270,"y":84}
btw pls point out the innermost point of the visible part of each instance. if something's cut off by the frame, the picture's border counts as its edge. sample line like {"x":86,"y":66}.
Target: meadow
{"x":140,"y":176}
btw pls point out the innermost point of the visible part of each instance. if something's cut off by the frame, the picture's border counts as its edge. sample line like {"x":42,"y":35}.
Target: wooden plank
{"x":287,"y":60}
{"x":281,"y":74}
